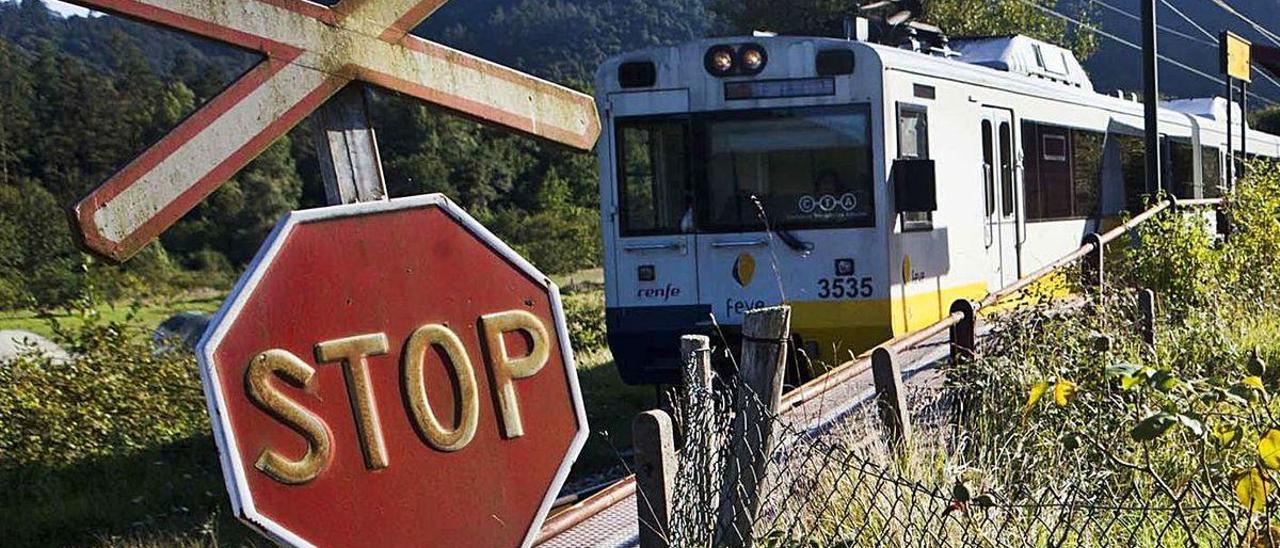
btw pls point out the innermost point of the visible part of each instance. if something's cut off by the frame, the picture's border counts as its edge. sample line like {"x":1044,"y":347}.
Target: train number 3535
{"x":845,"y":288}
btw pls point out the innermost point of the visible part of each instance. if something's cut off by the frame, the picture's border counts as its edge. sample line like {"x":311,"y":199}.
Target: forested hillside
{"x":81,"y":96}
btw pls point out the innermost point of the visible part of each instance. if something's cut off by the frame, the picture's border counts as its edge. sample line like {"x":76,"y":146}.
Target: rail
{"x":1094,"y":243}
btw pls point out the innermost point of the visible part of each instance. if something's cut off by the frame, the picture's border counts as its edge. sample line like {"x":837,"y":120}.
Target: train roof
{"x":1016,"y":63}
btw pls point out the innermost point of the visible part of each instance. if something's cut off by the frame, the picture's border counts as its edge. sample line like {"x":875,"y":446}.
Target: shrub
{"x":116,"y":394}
{"x":584,"y":312}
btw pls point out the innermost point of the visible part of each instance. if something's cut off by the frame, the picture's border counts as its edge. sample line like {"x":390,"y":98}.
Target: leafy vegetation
{"x":1072,"y":398}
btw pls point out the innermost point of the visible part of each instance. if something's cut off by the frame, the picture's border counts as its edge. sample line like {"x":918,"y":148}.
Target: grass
{"x":149,"y":313}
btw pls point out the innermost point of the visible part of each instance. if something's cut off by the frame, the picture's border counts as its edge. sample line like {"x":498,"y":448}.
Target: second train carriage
{"x":867,"y":186}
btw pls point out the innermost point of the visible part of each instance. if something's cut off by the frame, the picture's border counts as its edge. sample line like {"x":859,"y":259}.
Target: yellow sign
{"x":1237,"y":59}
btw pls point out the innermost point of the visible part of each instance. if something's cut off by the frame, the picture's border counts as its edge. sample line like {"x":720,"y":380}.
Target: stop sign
{"x":392,"y":374}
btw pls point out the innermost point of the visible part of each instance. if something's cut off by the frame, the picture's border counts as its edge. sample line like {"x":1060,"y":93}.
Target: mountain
{"x":1116,"y":66}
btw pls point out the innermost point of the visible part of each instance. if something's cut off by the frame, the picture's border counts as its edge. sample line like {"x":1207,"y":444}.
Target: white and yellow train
{"x":867,"y":186}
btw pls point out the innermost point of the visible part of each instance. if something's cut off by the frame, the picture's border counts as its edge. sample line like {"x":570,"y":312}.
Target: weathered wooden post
{"x":765,"y":333}
{"x":1092,"y":270}
{"x":655,"y":476}
{"x":891,"y":397}
{"x":347,"y":149}
{"x":1147,"y":316}
{"x":695,"y":350}
{"x":964,"y":335}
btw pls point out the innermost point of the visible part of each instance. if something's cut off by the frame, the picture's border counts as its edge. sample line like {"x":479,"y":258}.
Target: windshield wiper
{"x":793,"y":242}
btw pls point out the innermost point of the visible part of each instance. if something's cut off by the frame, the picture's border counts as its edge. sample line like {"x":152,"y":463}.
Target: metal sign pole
{"x":1151,"y":71}
{"x":1231,"y":146}
{"x":1244,"y":127}
{"x":347,"y":149}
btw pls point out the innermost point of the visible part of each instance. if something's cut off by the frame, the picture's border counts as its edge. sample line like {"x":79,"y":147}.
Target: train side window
{"x":913,"y":142}
{"x":988,"y":166}
{"x":1086,"y":173}
{"x":653,"y":172}
{"x":1211,"y":168}
{"x":1183,"y":168}
{"x":1063,"y":172}
{"x":1133,"y":165}
{"x":1006,"y":169}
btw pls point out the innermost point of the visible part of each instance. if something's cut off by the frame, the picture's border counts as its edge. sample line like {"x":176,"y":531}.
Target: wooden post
{"x":347,"y":149}
{"x":891,"y":396}
{"x":1147,"y":316}
{"x":765,"y":334}
{"x":695,"y":350}
{"x":964,"y":335}
{"x":1092,"y":270}
{"x":655,"y":476}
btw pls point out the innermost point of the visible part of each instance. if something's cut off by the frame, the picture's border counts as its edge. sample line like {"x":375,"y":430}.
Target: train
{"x":867,"y":185}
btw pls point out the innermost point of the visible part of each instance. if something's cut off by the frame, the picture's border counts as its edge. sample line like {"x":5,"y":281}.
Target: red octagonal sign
{"x":391,"y":374}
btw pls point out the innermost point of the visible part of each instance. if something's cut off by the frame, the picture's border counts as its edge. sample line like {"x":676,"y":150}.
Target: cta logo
{"x":744,"y":269}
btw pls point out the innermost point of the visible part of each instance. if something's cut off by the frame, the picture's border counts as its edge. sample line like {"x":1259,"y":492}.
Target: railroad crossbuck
{"x":370,"y":389}
{"x":311,"y":52}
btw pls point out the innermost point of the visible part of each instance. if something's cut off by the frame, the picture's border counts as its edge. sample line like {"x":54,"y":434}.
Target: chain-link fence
{"x":843,"y":484}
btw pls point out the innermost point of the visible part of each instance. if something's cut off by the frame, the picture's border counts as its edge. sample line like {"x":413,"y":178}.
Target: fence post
{"x":1147,"y":315}
{"x":695,"y":350}
{"x":765,"y":333}
{"x":891,"y":396}
{"x":655,"y":476}
{"x":1092,"y":271}
{"x":964,"y":343}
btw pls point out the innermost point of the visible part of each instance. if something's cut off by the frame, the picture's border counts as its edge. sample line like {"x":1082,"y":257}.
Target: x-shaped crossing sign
{"x":311,"y":52}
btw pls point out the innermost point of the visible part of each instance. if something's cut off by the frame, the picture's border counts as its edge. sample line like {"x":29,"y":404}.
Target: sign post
{"x":368,"y":389}
{"x":1237,"y":65}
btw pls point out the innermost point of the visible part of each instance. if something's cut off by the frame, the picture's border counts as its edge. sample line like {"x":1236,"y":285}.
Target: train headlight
{"x":721,"y":60}
{"x":753,"y":59}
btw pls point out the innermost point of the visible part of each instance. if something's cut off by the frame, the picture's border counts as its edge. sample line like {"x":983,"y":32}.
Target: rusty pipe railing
{"x":860,"y":364}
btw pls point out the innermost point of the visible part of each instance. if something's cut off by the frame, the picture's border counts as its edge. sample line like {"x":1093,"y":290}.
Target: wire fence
{"x":844,"y":484}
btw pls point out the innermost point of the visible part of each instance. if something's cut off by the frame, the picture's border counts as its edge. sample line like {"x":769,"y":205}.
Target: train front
{"x":738,"y":173}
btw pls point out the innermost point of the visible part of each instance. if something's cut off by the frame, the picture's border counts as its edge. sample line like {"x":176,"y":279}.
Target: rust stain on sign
{"x":311,"y":53}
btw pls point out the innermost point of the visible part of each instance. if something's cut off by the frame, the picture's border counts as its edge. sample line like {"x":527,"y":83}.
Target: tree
{"x":956,"y":17}
{"x":16,"y":96}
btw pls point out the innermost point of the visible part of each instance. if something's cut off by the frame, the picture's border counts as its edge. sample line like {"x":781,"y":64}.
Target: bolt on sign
{"x":368,"y":389}
{"x":311,"y":52}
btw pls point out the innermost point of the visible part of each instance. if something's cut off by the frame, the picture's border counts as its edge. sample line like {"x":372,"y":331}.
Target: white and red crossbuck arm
{"x":311,"y":52}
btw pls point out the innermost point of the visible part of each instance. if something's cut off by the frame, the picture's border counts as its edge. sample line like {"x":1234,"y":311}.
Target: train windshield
{"x":800,"y":168}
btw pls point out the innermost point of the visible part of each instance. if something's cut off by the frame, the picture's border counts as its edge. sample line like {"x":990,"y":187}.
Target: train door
{"x":655,"y":263}
{"x":1000,"y":197}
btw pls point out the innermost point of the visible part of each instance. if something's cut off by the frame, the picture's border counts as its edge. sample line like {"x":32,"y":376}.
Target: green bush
{"x":584,"y":312}
{"x":116,"y":394}
{"x":1070,"y":397}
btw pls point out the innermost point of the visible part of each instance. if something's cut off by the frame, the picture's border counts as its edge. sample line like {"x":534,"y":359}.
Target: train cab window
{"x":1182,"y":169}
{"x":654,"y":178}
{"x":803,"y":168}
{"x":1006,"y":169}
{"x":913,"y":142}
{"x":1211,"y":168}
